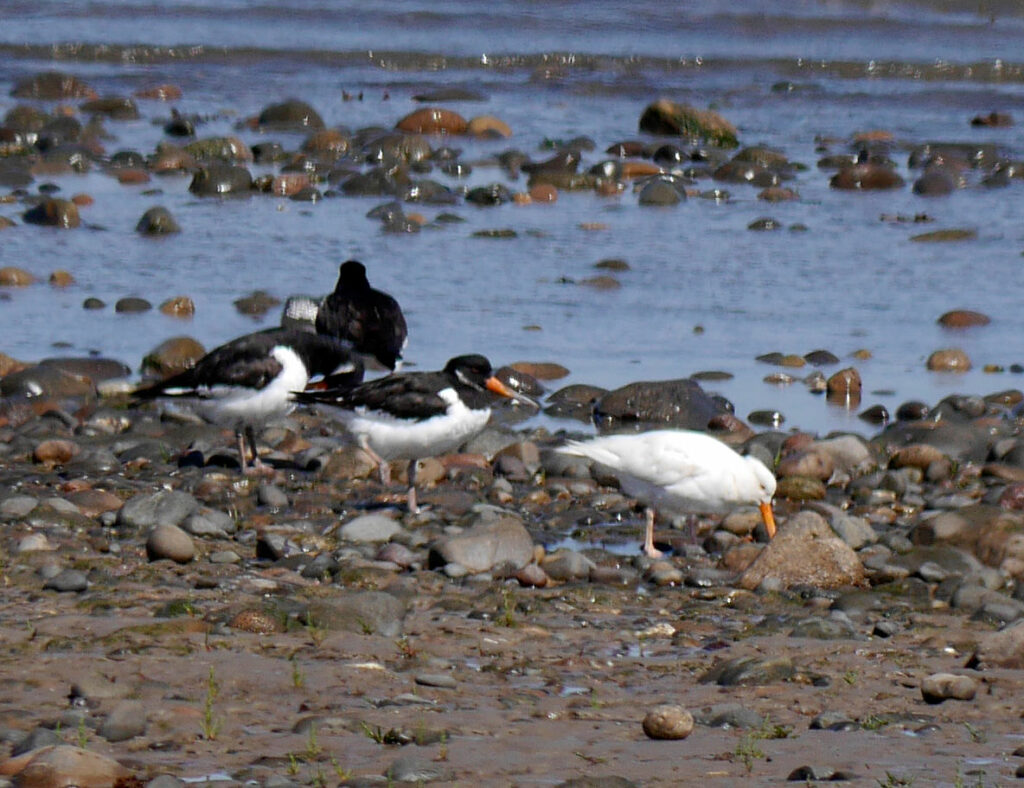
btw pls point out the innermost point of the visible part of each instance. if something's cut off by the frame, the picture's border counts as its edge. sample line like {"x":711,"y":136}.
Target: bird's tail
{"x":592,"y":450}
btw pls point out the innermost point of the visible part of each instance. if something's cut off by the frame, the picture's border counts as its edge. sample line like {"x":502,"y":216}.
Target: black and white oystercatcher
{"x":417,"y":414}
{"x":370,"y":319}
{"x":681,"y":472}
{"x":250,"y":380}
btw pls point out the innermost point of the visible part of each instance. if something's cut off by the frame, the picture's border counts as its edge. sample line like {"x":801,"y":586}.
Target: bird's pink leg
{"x":649,"y":549}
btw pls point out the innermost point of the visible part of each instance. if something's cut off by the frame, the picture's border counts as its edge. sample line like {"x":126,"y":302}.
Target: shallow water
{"x":555,"y":70}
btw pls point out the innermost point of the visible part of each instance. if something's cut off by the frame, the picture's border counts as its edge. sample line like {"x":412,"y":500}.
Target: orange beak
{"x":768,"y":517}
{"x":495,"y":385}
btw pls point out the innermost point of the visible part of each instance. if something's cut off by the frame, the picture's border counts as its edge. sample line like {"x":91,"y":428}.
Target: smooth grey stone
{"x":170,"y":781}
{"x":167,"y":507}
{"x":68,"y":581}
{"x":224,"y":557}
{"x":210,"y":522}
{"x":126,"y":721}
{"x":441,"y":680}
{"x":170,"y":541}
{"x":17,"y":506}
{"x":370,"y":528}
{"x":568,"y":565}
{"x":729,"y":715}
{"x":832,"y":721}
{"x":831,"y":628}
{"x":270,"y":495}
{"x":365,"y":612}
{"x":411,"y":769}
{"x":37,"y":737}
{"x":750,"y":671}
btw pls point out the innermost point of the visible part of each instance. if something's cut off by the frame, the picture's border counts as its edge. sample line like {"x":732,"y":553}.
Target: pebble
{"x":171,"y":542}
{"x":125,"y":721}
{"x":940,"y":687}
{"x":668,"y":721}
{"x":369,"y":528}
{"x":67,"y":581}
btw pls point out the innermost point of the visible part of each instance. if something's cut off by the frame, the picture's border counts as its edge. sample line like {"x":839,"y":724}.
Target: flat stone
{"x":370,"y":528}
{"x":940,"y":687}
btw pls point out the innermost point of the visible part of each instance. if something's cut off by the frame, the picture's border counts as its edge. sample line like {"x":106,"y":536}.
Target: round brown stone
{"x":488,"y":126}
{"x":62,"y":278}
{"x":949,"y":360}
{"x":179,"y":306}
{"x":258,"y":622}
{"x":963,"y":318}
{"x":55,"y":452}
{"x":15,"y":277}
{"x":668,"y":721}
{"x":433,"y":120}
{"x":172,"y":356}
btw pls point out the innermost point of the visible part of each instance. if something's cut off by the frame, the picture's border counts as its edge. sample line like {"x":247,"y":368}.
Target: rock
{"x":669,"y":117}
{"x":256,"y":303}
{"x":258,"y":622}
{"x":178,"y":306}
{"x":11,"y":276}
{"x":567,"y":565}
{"x":172,"y":356}
{"x":433,"y":120}
{"x":805,"y":551}
{"x":488,"y":126}
{"x":61,"y":278}
{"x":844,"y":387}
{"x":945,"y":236}
{"x":949,"y":360}
{"x":52,"y":86}
{"x":63,"y":765}
{"x":670,"y":403}
{"x":220,"y":180}
{"x":370,"y":528}
{"x":157,"y":221}
{"x":866,"y":176}
{"x":169,"y":541}
{"x":1004,"y":649}
{"x":132,"y":305}
{"x":811,"y":463}
{"x":271,"y":495}
{"x":364,"y":612}
{"x":668,"y":721}
{"x":167,"y":507}
{"x":93,"y":503}
{"x":661,"y":191}
{"x":17,"y":506}
{"x":67,"y":581}
{"x":113,"y":107}
{"x":125,"y":721}
{"x":749,"y":671}
{"x":54,"y":213}
{"x":292,"y":115}
{"x":210,"y":523}
{"x":940,"y":687}
{"x":46,"y":382}
{"x":55,"y":452}
{"x":503,"y":542}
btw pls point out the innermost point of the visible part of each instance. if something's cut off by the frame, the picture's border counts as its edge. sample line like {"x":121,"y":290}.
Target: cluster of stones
{"x":685,"y":146}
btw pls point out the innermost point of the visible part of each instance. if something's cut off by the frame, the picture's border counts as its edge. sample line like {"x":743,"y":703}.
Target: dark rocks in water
{"x":669,"y":117}
{"x":53,"y":86}
{"x":662,"y":191}
{"x":225,"y":150}
{"x":866,"y":176}
{"x":259,"y":302}
{"x":268,"y":153}
{"x":113,"y":107}
{"x":493,"y":194}
{"x":132,"y":305}
{"x":221,"y":180}
{"x":54,"y":213}
{"x":979,"y":155}
{"x":574,"y":402}
{"x":433,"y":120}
{"x":157,"y":221}
{"x":669,"y":403}
{"x":963,"y":318}
{"x":935,"y":182}
{"x":993,"y":120}
{"x":290,"y":114}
